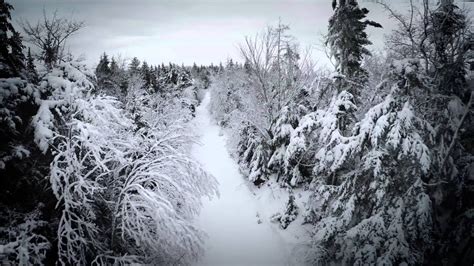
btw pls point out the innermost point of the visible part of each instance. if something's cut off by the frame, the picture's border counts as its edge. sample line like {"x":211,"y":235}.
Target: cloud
{"x":187,"y":31}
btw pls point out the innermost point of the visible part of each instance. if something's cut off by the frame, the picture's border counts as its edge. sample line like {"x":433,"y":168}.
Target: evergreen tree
{"x":31,"y":68}
{"x":119,"y":77}
{"x":25,"y":221}
{"x":11,"y":51}
{"x":114,"y":68}
{"x":451,"y":110}
{"x":103,"y":67}
{"x":146,"y":74}
{"x":103,"y":74}
{"x":154,"y":73}
{"x":449,"y":38}
{"x":347,"y":39}
{"x":134,"y":66}
{"x":369,"y":191}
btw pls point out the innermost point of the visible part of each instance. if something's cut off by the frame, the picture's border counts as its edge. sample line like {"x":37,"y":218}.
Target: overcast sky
{"x":187,"y":31}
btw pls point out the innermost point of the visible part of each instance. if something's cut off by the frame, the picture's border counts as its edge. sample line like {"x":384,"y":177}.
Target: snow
{"x":239,"y":229}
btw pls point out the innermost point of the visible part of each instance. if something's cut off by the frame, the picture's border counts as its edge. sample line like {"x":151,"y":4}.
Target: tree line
{"x":383,"y":143}
{"x":95,"y":165}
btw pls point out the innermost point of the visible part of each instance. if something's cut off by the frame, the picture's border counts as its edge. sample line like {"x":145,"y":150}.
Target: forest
{"x":368,"y":162}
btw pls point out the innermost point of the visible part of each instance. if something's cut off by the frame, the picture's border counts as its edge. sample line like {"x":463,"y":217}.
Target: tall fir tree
{"x":11,"y":51}
{"x":134,"y":66}
{"x":31,"y":72}
{"x":451,"y":110}
{"x":146,"y":74}
{"x":347,"y":39}
{"x":103,"y":74}
{"x":449,"y":39}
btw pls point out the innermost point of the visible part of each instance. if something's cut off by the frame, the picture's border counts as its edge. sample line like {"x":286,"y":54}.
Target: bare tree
{"x":50,"y":35}
{"x":276,"y":67}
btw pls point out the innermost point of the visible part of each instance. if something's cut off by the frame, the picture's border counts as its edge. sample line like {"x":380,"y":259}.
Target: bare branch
{"x":50,"y":35}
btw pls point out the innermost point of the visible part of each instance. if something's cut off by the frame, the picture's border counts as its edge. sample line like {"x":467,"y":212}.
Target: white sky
{"x":187,"y":31}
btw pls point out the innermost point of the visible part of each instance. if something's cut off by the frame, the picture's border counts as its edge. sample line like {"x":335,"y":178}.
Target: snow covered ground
{"x":237,"y":222}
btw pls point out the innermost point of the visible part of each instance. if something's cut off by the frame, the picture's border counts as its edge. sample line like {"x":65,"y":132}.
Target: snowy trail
{"x":235,"y":237}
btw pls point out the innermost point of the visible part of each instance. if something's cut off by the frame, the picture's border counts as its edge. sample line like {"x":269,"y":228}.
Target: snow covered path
{"x":235,"y":237}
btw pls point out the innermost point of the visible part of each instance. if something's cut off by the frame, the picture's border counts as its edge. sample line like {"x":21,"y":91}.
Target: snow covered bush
{"x":20,"y":240}
{"x":18,"y":102}
{"x":127,"y":191}
{"x":289,"y":214}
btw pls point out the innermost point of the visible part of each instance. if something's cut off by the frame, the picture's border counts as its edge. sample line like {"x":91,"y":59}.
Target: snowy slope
{"x":231,"y":222}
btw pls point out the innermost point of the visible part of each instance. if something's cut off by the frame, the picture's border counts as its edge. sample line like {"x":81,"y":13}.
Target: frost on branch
{"x":370,"y":191}
{"x":127,"y":192}
{"x":20,"y":242}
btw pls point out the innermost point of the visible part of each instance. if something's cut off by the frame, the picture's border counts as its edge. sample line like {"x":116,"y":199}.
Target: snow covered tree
{"x":451,"y":111}
{"x":449,"y":33}
{"x":127,"y":193}
{"x":103,"y":67}
{"x":103,"y":74}
{"x":272,"y":60}
{"x":347,"y":39}
{"x":31,"y":72}
{"x":134,"y":66}
{"x":146,"y":74}
{"x":24,"y":226}
{"x":253,"y":154}
{"x":280,"y":78}
{"x":286,"y":158}
{"x":11,"y":50}
{"x":119,"y":75}
{"x":370,"y":202}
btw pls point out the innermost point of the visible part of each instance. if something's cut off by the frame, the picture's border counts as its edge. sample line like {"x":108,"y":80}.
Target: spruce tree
{"x":449,"y":39}
{"x":347,"y":39}
{"x":11,"y":50}
{"x":451,"y":110}
{"x":31,"y":68}
{"x":104,"y":76}
{"x":146,"y":74}
{"x":134,"y":67}
{"x":103,"y":68}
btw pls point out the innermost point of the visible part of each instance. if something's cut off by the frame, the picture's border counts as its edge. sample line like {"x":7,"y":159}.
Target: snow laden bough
{"x":127,"y":193}
{"x":370,"y":205}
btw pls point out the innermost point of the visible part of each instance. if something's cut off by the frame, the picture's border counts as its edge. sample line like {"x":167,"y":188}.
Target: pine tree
{"x":378,"y":211}
{"x":11,"y":51}
{"x":449,"y":37}
{"x":23,"y":168}
{"x":103,"y":73}
{"x":146,"y":74}
{"x":154,"y":72}
{"x":347,"y":39}
{"x":31,"y":68}
{"x":450,"y":109}
{"x":103,"y":67}
{"x":119,"y":78}
{"x":134,"y":66}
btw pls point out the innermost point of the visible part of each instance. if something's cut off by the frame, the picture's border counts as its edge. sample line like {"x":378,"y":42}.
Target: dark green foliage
{"x":11,"y":48}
